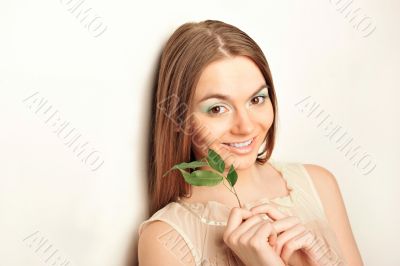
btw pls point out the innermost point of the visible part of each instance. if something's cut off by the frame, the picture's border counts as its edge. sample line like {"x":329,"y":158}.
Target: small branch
{"x":233,"y":187}
{"x":240,"y":204}
{"x":226,"y":185}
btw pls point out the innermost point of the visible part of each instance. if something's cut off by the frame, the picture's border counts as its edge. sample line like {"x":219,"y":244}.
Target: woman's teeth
{"x":239,"y":145}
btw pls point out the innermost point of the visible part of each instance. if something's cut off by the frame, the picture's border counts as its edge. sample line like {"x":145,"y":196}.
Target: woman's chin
{"x":240,"y":162}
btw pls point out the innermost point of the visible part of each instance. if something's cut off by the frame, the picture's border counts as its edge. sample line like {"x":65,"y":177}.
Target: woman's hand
{"x":295,"y":244}
{"x":249,"y":238}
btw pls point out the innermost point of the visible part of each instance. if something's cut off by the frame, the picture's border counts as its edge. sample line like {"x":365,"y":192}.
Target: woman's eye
{"x":258,"y":97}
{"x":215,"y":109}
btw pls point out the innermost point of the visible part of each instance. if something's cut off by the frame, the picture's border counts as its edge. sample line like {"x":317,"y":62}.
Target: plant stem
{"x":226,"y":185}
{"x":240,"y":204}
{"x":233,"y":187}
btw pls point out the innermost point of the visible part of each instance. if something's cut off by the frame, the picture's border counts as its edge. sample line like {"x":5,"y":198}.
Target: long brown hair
{"x":187,"y":52}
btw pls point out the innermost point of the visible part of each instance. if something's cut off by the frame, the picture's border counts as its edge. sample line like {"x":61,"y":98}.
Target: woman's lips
{"x":241,"y":150}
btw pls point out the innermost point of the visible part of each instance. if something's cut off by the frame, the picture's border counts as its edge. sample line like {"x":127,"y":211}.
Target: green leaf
{"x":191,"y":165}
{"x":201,"y":178}
{"x":215,"y":161}
{"x":186,"y":175}
{"x":232,"y":176}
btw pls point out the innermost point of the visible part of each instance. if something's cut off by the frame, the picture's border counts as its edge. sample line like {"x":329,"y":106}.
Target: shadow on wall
{"x":132,"y":258}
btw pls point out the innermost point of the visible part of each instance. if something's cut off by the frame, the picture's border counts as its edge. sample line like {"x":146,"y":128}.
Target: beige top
{"x":202,"y":225}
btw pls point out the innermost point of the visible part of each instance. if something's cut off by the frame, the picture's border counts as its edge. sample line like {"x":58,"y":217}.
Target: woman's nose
{"x":243,"y":123}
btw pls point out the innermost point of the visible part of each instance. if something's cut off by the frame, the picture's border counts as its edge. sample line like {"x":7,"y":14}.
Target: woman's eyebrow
{"x":227,"y":97}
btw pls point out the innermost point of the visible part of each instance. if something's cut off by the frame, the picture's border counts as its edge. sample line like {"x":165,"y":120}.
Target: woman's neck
{"x":250,"y":185}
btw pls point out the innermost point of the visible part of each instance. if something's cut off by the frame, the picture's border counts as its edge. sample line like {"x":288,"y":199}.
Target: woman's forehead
{"x":238,"y":76}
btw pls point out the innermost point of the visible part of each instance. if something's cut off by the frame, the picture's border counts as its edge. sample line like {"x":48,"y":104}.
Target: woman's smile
{"x":241,"y":147}
{"x":233,"y":110}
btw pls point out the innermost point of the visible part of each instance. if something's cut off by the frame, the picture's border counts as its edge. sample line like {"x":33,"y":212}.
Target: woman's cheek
{"x":265,"y":116}
{"x":209,"y":134}
{"x":202,"y":137}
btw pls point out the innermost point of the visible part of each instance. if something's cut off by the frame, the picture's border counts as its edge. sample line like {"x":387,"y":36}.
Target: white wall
{"x":98,"y":79}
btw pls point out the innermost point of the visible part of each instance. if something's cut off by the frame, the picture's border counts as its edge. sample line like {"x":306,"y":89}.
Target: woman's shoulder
{"x":161,"y":244}
{"x":322,"y":178}
{"x":325,"y":183}
{"x":176,"y":230}
{"x":167,"y":214}
{"x":311,"y":181}
{"x":182,"y":219}
{"x":335,"y":210}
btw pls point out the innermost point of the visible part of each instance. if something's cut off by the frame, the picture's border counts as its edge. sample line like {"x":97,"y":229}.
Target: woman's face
{"x":231,"y":106}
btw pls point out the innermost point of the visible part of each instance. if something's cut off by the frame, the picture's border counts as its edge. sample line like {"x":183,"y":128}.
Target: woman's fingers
{"x":287,"y":235}
{"x":273,"y":236}
{"x":245,"y":237}
{"x":270,"y":210}
{"x":236,"y":217}
{"x":302,"y":241}
{"x":249,"y":239}
{"x":286,"y":223}
{"x":245,"y":229}
{"x":269,"y":233}
{"x":293,"y":236}
{"x":263,"y":230}
{"x":284,"y":233}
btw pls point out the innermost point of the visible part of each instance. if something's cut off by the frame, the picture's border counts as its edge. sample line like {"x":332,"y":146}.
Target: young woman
{"x":215,"y":90}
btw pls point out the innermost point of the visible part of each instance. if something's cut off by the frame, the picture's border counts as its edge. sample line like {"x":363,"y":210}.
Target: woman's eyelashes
{"x":263,"y":96}
{"x":215,"y":109}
